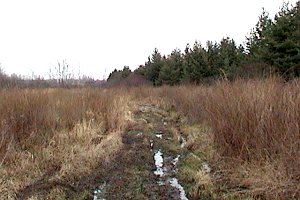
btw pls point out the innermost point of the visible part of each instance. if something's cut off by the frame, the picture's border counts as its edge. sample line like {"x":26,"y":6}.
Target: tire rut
{"x":146,"y":168}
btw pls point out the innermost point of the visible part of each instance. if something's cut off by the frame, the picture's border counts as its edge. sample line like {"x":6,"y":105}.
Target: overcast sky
{"x":100,"y":35}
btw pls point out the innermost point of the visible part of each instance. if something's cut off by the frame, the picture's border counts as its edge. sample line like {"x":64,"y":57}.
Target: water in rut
{"x":146,"y":169}
{"x":164,"y":174}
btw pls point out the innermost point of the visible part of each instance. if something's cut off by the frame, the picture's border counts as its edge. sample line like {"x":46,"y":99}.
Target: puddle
{"x":160,"y":183}
{"x":151,"y":145}
{"x":166,"y":167}
{"x":163,"y":173}
{"x":99,"y":192}
{"x":97,"y":195}
{"x":159,"y":163}
{"x":182,"y":141}
{"x":174,"y":183}
{"x":175,"y":160}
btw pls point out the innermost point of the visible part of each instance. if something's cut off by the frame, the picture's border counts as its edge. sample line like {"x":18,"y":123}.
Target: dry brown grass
{"x":255,"y":127}
{"x":248,"y":131}
{"x":57,"y":134}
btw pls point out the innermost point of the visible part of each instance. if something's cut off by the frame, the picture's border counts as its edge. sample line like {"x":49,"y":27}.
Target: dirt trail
{"x":147,"y":166}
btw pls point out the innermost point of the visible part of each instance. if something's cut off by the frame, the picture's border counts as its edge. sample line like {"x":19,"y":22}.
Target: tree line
{"x":272,"y":47}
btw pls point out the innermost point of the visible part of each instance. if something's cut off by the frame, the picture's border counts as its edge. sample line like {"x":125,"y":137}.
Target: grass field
{"x":247,"y":130}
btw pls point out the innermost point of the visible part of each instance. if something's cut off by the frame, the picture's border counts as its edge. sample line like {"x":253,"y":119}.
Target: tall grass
{"x":255,"y":126}
{"x":257,"y":120}
{"x":46,"y":129}
{"x":254,"y":123}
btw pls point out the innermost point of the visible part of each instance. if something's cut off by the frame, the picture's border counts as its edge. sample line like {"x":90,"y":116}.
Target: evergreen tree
{"x":172,"y":70}
{"x":141,"y":70}
{"x":195,"y":64}
{"x":230,"y":57}
{"x":118,"y":75}
{"x":277,"y":43}
{"x":285,"y":41}
{"x":213,"y":57}
{"x":153,"y":67}
{"x":125,"y":72}
{"x":257,"y":42}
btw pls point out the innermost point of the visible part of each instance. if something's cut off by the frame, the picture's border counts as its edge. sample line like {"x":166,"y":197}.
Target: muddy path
{"x":147,"y":166}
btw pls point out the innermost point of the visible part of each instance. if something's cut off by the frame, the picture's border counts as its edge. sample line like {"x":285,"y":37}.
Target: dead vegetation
{"x":248,"y":132}
{"x":255,"y":130}
{"x":56,"y":136}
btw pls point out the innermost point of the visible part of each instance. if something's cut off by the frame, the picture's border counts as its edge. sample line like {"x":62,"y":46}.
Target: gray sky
{"x":98,"y":35}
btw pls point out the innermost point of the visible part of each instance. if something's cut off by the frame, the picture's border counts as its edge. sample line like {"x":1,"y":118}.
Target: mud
{"x":146,"y":167}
